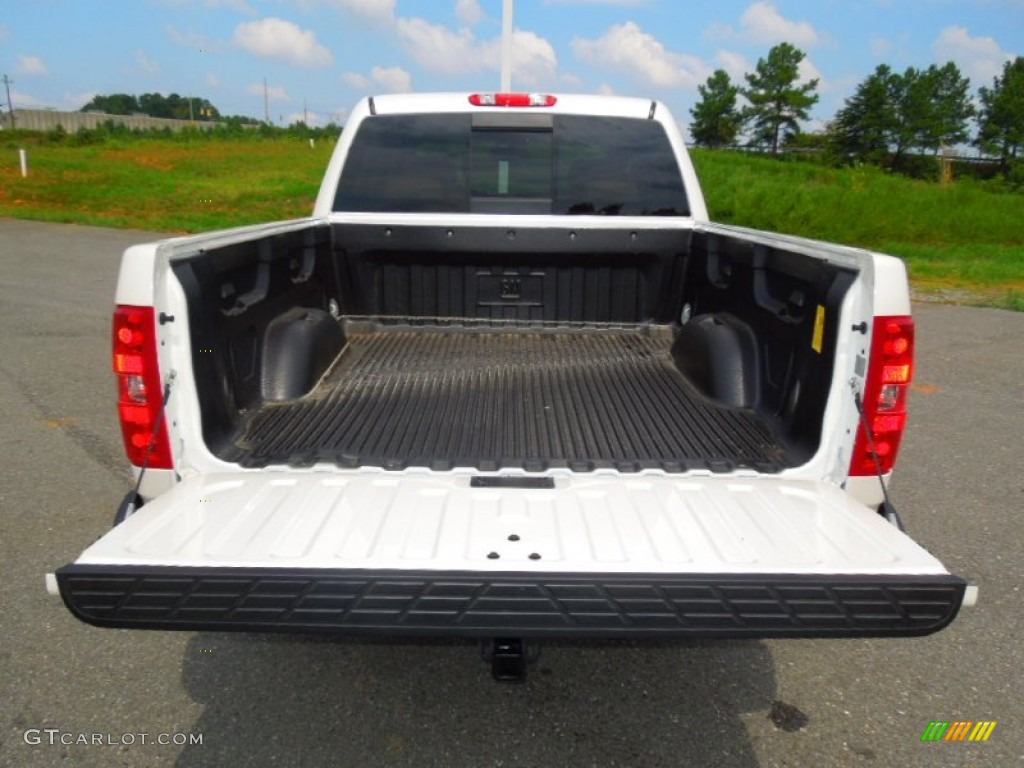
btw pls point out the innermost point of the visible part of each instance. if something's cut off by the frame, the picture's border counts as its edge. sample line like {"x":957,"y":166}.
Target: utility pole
{"x":266,"y":103}
{"x":10,"y":106}
{"x":506,"y":46}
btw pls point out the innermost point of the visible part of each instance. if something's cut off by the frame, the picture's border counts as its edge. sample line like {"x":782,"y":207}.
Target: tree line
{"x":172,"y":106}
{"x":227,"y":129}
{"x":889,"y":116}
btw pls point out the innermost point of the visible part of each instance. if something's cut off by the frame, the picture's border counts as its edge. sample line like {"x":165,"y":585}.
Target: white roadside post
{"x":23,"y":157}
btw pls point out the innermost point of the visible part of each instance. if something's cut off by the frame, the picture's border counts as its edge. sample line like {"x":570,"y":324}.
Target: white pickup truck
{"x":509,"y":383}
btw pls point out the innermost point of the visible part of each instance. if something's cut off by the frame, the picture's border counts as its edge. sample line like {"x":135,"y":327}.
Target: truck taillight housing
{"x":139,"y":395}
{"x":890,"y":371}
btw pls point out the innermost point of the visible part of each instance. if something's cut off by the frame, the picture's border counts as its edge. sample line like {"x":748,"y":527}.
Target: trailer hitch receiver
{"x":508,"y":660}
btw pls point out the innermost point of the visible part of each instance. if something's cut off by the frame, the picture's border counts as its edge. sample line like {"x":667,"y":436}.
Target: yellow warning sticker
{"x":819,"y":329}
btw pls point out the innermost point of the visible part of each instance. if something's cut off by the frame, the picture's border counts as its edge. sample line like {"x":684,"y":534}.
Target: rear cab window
{"x":525,"y":163}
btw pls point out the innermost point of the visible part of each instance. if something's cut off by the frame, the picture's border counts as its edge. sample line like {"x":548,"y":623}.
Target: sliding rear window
{"x":515,"y":163}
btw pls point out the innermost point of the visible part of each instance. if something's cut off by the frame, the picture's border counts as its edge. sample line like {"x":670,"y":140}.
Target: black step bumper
{"x":463,"y":604}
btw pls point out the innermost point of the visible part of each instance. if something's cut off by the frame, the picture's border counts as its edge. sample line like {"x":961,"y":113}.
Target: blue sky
{"x":323,"y":55}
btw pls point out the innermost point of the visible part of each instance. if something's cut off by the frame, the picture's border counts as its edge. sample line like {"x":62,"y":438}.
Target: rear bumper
{"x":467,"y":604}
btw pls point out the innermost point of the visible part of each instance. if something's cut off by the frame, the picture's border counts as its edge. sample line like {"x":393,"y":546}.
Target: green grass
{"x":1013,"y":300}
{"x":166,"y":185}
{"x":965,"y":237}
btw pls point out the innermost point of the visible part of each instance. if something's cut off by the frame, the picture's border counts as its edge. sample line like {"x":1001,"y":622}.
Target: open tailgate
{"x":588,"y":557}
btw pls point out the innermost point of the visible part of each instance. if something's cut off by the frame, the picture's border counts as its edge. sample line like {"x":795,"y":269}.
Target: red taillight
{"x":140,"y":397}
{"x":890,"y":372}
{"x":512,"y":100}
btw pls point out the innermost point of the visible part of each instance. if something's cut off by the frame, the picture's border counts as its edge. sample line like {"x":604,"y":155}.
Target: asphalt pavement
{"x":289,"y":700}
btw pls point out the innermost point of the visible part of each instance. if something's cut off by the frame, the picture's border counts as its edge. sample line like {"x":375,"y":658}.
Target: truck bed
{"x":496,"y":398}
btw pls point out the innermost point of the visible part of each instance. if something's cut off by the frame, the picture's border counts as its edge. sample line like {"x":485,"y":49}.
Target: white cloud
{"x":31,"y":65}
{"x":377,"y":10}
{"x":387,"y":79}
{"x":980,"y":58}
{"x":605,"y":90}
{"x":627,"y":48}
{"x":735,"y":64}
{"x":807,"y":71}
{"x":437,"y":48}
{"x":573,"y":81}
{"x":469,"y":12}
{"x":275,"y":38}
{"x":357,"y":81}
{"x":440,"y":49}
{"x":212,"y":80}
{"x":274,"y":92}
{"x":761,"y":22}
{"x":534,"y":62}
{"x":392,"y":79}
{"x":144,"y":63}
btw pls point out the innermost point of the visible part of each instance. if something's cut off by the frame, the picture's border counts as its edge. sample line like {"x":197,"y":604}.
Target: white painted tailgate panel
{"x":610,"y":524}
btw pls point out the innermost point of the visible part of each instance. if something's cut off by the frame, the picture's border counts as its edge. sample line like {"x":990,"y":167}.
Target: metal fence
{"x":49,"y":119}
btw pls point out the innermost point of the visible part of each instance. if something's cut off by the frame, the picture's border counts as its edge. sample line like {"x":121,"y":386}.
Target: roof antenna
{"x":506,"y":46}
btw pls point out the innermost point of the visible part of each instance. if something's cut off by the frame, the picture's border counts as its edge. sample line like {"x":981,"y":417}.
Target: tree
{"x":155,"y":105}
{"x":776,"y":101}
{"x":946,"y":107}
{"x":891,"y":114}
{"x":114,"y":104}
{"x":1001,"y":118}
{"x":863,"y":129}
{"x":932,"y":109}
{"x":716,"y":120}
{"x":910,"y":102}
{"x":204,"y":110}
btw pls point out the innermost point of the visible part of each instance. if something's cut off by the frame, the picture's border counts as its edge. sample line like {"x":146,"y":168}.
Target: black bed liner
{"x":494,"y":398}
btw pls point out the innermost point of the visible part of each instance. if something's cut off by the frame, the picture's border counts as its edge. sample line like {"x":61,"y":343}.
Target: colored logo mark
{"x":958,"y":730}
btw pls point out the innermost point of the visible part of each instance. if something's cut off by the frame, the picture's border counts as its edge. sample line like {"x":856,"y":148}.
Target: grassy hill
{"x":965,"y":239}
{"x":968,"y":234}
{"x":168,"y":185}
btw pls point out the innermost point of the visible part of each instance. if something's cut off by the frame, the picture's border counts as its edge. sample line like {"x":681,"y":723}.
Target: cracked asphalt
{"x":266,"y":700}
